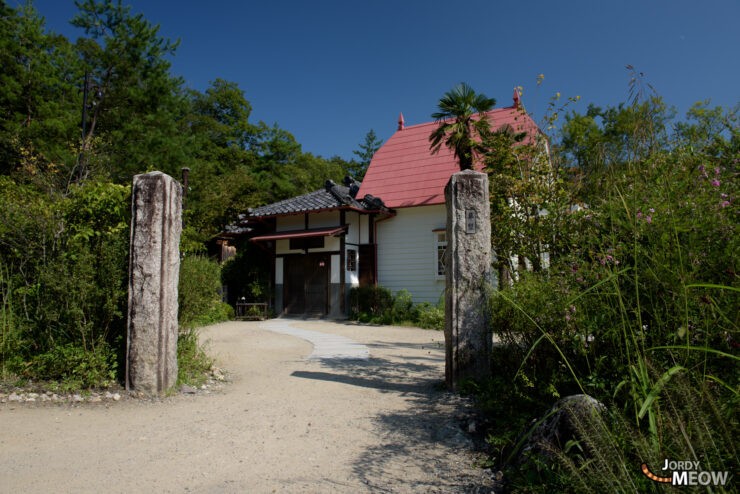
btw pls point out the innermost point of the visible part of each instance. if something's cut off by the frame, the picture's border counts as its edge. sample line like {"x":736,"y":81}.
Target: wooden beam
{"x":342,"y":261}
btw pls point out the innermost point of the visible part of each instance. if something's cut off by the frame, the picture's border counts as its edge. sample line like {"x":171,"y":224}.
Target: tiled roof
{"x":405,"y":173}
{"x":332,"y":196}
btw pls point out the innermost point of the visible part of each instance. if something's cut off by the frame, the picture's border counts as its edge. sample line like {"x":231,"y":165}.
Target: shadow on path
{"x":424,"y":436}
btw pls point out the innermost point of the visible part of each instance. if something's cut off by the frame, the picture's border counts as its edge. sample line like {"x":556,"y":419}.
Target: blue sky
{"x":328,"y":71}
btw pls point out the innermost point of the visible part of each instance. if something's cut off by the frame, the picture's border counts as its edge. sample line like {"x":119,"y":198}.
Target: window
{"x":440,"y":248}
{"x":351,"y":260}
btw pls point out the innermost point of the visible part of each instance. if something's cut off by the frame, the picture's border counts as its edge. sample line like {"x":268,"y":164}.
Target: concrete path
{"x":325,"y":345}
{"x":285,"y":424}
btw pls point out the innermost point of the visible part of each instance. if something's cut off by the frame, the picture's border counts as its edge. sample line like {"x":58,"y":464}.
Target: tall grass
{"x":642,"y":312}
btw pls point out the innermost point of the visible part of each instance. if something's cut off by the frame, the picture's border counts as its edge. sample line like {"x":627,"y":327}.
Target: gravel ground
{"x":283,"y":424}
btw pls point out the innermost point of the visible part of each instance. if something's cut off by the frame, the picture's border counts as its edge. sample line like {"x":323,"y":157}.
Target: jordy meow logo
{"x":686,"y":473}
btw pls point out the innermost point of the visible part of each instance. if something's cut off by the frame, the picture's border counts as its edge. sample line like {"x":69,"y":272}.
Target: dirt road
{"x":284,"y":424}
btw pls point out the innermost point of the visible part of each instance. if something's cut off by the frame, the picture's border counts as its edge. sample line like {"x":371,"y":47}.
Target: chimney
{"x":516,"y":98}
{"x":400,"y":121}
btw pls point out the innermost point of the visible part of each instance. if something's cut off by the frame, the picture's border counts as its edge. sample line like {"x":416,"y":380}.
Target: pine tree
{"x":365,"y":154}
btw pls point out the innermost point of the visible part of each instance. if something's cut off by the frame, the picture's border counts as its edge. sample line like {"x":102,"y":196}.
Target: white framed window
{"x":440,"y":254}
{"x":351,"y":260}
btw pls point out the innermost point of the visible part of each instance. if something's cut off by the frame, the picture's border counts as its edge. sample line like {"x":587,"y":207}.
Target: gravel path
{"x":285,"y":424}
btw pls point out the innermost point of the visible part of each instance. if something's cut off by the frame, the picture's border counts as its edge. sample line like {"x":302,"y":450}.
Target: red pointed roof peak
{"x":400,"y":121}
{"x":405,"y":173}
{"x":516,"y":97}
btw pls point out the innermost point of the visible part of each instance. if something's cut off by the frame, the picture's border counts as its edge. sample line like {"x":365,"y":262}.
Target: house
{"x":323,"y":243}
{"x":389,"y":230}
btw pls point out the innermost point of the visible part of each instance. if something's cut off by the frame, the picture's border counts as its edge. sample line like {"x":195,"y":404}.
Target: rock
{"x":108,"y":395}
{"x":467,"y":337}
{"x":94,"y":399}
{"x":203,"y":386}
{"x":116,"y":396}
{"x":563,"y":421}
{"x":188,"y":389}
{"x":156,"y":207}
{"x":15,"y":398}
{"x":471,"y":426}
{"x":32,"y":395}
{"x":30,"y":399}
{"x":45,"y":397}
{"x":77,"y":398}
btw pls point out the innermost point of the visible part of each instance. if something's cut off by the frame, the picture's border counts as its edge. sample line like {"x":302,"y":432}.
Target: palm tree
{"x":461,"y":104}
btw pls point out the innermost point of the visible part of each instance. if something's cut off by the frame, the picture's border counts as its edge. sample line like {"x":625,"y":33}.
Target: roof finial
{"x":400,"y":121}
{"x":516,"y":97}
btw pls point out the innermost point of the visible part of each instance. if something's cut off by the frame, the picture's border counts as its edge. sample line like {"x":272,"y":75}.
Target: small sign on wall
{"x":469,"y":221}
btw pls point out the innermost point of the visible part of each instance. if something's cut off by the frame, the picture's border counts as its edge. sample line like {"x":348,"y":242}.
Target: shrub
{"x":200,"y":305}
{"x":430,"y":316}
{"x":370,"y":300}
{"x":378,"y":305}
{"x":198,"y":290}
{"x":639,"y":309}
{"x":75,"y":367}
{"x":193,"y":361}
{"x":63,"y":286}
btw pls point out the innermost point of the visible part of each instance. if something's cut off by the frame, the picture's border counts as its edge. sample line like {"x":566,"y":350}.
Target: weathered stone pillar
{"x":467,"y":336}
{"x":154,"y":270}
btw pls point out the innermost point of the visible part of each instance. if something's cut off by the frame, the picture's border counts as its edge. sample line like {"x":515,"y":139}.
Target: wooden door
{"x":367,"y":265}
{"x":295,"y":294}
{"x":317,"y":285}
{"x":307,"y":284}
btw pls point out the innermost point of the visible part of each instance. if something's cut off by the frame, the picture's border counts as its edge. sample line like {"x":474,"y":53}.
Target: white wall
{"x":353,"y":233}
{"x":334,"y":269}
{"x":325,"y":219}
{"x":288,"y":223}
{"x":407,"y":252}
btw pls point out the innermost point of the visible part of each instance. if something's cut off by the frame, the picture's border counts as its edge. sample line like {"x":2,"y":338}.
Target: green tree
{"x":530,"y":202}
{"x":39,"y":101}
{"x":458,"y":124}
{"x":140,"y":115}
{"x":365,"y":154}
{"x":222,"y":181}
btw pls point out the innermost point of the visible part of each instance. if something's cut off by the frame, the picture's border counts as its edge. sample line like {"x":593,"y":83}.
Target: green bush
{"x":76,"y":367}
{"x":378,"y":305}
{"x":63,"y":285}
{"x":370,"y":300}
{"x":639,"y":310}
{"x":200,"y":305}
{"x":198,"y":292}
{"x":193,"y":361}
{"x":430,"y":316}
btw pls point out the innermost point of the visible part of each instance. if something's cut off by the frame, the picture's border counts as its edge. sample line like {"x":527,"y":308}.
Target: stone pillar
{"x":467,"y":336}
{"x":154,"y":270}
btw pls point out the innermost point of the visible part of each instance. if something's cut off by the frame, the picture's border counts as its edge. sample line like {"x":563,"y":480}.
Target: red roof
{"x":405,"y":173}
